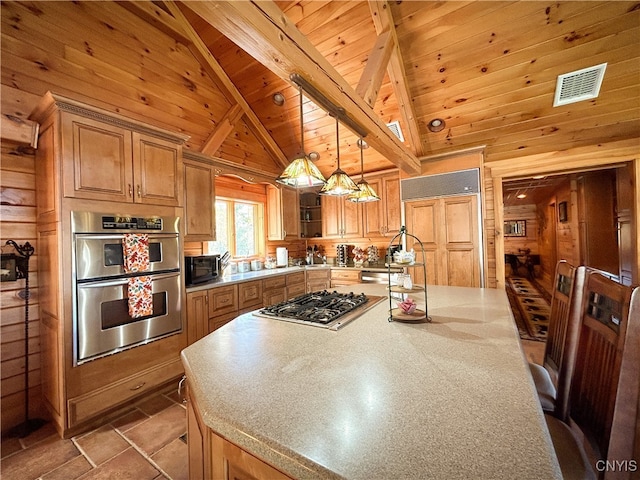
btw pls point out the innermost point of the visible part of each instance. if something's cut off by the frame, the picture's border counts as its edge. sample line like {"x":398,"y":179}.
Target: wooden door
{"x":331,"y":227}
{"x":197,"y":316}
{"x":199,"y":201}
{"x":351,"y":218}
{"x":275,"y":230}
{"x":383,"y":218}
{"x":97,"y":159}
{"x":449,"y":231}
{"x":290,"y":213}
{"x":157,"y":171}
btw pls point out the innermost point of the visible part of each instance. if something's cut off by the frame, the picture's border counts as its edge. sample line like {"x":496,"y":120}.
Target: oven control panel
{"x":131,"y":223}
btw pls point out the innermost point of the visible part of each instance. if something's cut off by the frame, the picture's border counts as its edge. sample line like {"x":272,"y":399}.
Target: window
{"x":239,"y":227}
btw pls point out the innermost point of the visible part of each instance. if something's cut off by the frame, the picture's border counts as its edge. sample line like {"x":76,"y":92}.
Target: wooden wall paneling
{"x":17,"y":222}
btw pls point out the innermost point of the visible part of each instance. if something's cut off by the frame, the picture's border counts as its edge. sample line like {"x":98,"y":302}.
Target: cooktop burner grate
{"x":317,"y":307}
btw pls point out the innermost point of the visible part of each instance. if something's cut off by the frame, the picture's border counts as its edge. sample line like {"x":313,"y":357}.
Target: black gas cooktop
{"x":322,"y":309}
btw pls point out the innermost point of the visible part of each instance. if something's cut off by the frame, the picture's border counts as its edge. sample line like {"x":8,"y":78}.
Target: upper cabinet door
{"x":97,"y":158}
{"x":290,"y":213}
{"x":157,"y":171}
{"x":275,"y":230}
{"x":199,"y":202}
{"x":383,"y":218}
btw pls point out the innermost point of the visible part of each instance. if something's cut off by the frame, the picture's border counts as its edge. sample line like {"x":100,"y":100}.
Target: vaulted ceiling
{"x":210,"y":69}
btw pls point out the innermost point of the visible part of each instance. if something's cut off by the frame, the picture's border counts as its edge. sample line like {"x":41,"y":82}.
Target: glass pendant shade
{"x":301,"y":172}
{"x":339,"y":183}
{"x":365,"y":192}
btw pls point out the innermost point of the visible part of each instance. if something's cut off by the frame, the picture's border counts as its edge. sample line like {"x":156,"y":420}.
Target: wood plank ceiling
{"x":487,"y":68}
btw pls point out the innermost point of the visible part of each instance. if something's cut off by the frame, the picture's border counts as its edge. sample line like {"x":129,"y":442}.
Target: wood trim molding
{"x":51,"y":100}
{"x":226,"y":167}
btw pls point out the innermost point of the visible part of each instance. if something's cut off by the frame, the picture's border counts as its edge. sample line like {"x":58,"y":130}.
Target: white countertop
{"x":378,"y":399}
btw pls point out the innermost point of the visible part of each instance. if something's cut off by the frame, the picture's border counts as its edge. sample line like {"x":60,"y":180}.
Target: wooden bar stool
{"x":553,"y":377}
{"x":604,"y":394}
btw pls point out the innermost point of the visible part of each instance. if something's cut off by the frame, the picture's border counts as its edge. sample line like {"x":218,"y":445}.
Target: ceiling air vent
{"x":579,"y":85}
{"x":395,"y":128}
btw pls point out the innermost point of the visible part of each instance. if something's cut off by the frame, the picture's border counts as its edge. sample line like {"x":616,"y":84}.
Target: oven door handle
{"x":114,"y":282}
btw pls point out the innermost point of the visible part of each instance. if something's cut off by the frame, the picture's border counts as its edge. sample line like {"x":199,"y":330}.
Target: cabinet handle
{"x":139,"y":192}
{"x":180,"y":384}
{"x":138,"y":387}
{"x":130,"y":190}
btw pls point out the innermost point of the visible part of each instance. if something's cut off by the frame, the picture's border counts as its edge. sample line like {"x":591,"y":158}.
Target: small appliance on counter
{"x":201,"y":269}
{"x":282,"y":257}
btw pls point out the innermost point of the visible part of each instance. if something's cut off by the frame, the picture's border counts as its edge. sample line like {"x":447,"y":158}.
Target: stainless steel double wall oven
{"x":102,"y":319}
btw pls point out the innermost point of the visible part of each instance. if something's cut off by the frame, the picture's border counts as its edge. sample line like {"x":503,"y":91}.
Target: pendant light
{"x":301,"y":172}
{"x":339,"y":183}
{"x":365,"y":192}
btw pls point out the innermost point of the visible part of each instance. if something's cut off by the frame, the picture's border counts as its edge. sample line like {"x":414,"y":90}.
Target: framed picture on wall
{"x":515,"y":228}
{"x":8,"y":272}
{"x":562,"y":211}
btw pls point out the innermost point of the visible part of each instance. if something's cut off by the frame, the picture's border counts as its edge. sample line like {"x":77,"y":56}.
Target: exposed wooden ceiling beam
{"x":225,"y":126}
{"x":265,"y":33}
{"x":383,"y":21}
{"x":373,"y":74}
{"x":219,"y":76}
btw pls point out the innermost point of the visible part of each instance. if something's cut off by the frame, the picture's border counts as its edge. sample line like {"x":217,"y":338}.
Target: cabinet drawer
{"x":317,"y":285}
{"x":273,"y":296}
{"x":223,"y":300}
{"x":250,"y":294}
{"x":91,"y":404}
{"x":318,"y":274}
{"x":274,"y":282}
{"x":295,"y":279}
{"x":351,"y":275}
{"x":295,"y":290}
{"x":220,"y":320}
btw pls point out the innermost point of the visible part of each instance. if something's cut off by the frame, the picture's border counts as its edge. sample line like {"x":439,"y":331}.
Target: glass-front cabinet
{"x":310,"y":214}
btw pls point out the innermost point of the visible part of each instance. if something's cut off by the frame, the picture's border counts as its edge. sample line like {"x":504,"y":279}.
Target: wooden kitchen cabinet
{"x":274,"y":290}
{"x":91,"y":160}
{"x":295,"y":284}
{"x":383,"y":218}
{"x":249,"y":296}
{"x":343,"y":276}
{"x":290,"y":213}
{"x":283,"y":221}
{"x":318,"y":279}
{"x":211,"y":456}
{"x":199,"y":201}
{"x":223,"y":300}
{"x":107,"y":157}
{"x":340,"y":218}
{"x":197,"y":316}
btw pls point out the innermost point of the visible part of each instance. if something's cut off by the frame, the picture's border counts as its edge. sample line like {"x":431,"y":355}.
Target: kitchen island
{"x":373,"y":400}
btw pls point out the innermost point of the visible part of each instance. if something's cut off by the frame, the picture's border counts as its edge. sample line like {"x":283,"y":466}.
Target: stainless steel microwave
{"x":201,"y":269}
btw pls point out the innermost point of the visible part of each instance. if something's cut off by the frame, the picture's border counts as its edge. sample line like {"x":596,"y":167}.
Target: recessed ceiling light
{"x":538,"y":177}
{"x":278,"y":99}
{"x":313,"y":156}
{"x":522,"y":195}
{"x":436,"y":125}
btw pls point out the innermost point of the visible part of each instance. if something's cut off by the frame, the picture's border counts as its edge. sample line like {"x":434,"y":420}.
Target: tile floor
{"x":148,"y":442}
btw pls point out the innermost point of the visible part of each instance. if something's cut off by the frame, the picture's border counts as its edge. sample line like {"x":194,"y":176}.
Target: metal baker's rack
{"x":402,"y":292}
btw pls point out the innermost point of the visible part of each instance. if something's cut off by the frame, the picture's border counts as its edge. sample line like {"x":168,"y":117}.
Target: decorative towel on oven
{"x":140,"y":294}
{"x":135,"y":248}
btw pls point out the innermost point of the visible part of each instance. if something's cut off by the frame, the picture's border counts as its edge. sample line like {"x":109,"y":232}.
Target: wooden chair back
{"x":605,"y":331}
{"x":624,"y":445}
{"x":562,"y":336}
